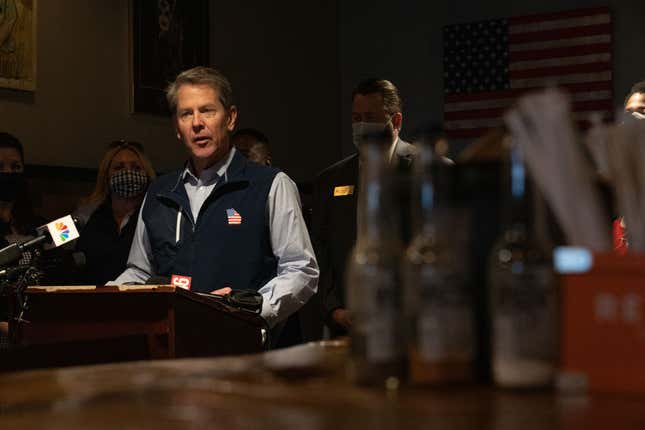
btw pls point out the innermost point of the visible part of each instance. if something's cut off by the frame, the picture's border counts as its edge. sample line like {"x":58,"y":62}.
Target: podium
{"x":74,"y":325}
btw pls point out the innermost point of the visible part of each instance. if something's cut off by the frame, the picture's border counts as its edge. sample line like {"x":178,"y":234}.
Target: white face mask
{"x":362,"y":129}
{"x":638,"y":115}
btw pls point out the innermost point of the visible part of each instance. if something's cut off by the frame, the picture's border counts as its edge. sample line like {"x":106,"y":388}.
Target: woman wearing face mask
{"x":109,"y":214}
{"x":17,"y":219}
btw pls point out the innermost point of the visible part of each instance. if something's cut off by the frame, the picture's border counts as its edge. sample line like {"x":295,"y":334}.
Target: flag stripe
{"x":600,"y":40}
{"x":563,"y":33}
{"x":590,"y":105}
{"x":496,"y":122}
{"x":506,"y":102}
{"x":478,"y":132}
{"x":558,"y":62}
{"x":568,"y":51}
{"x":562,"y":70}
{"x":588,"y":87}
{"x":486,"y":95}
{"x":470,"y":123}
{"x":468,"y":133}
{"x":557,"y":80}
{"x":557,"y":24}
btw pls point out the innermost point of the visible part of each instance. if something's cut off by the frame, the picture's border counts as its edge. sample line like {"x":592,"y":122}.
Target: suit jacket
{"x":334,"y":226}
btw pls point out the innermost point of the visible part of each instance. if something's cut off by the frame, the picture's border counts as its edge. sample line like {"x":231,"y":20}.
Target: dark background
{"x":292,"y":65}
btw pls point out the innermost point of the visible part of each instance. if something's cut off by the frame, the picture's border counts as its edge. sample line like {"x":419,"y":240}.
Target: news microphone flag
{"x":63,"y":230}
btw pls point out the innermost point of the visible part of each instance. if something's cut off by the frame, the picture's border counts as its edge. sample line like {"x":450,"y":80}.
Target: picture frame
{"x":166,"y":37}
{"x":18,"y":50}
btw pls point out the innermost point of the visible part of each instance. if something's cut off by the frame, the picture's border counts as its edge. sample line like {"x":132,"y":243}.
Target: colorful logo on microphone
{"x":63,"y":231}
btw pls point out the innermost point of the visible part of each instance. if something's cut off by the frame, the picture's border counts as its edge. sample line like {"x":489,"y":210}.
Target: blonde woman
{"x":109,"y":214}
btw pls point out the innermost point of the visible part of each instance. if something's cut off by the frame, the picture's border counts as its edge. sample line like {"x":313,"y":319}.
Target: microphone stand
{"x":28,"y":275}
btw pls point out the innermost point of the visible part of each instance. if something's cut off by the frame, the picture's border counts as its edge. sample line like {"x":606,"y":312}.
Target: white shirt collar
{"x":217,"y":170}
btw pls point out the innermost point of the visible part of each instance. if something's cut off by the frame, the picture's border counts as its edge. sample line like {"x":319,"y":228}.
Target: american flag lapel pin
{"x":233,"y":217}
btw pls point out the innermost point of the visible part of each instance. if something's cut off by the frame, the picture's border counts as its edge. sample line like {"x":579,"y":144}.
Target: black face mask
{"x":4,"y":230}
{"x":11,"y":185}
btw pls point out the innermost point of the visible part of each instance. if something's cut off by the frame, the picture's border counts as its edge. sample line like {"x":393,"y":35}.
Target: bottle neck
{"x":375,"y":214}
{"x":517,"y":212}
{"x":432,"y":191}
{"x":424,"y":204}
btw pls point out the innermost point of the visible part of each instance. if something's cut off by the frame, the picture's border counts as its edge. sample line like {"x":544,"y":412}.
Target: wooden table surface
{"x":296,"y":388}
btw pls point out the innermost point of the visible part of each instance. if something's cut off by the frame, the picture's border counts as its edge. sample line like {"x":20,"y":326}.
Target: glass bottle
{"x":524,"y":303}
{"x":438,"y":295}
{"x":374,"y":292}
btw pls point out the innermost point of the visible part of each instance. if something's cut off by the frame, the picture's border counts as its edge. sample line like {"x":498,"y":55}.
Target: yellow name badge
{"x":345,"y":190}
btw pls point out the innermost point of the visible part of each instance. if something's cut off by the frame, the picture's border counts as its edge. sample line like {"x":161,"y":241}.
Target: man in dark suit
{"x":375,"y":104}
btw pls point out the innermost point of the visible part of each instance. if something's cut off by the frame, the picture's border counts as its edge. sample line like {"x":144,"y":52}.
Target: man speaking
{"x":226,"y":222}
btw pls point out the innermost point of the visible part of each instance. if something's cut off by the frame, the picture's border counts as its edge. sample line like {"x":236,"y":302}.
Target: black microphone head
{"x":10,"y":254}
{"x":42,"y":230}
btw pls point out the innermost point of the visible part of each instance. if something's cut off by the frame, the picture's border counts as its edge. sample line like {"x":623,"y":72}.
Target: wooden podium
{"x":87,"y":324}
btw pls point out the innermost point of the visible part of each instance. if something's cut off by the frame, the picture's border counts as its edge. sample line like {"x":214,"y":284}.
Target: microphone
{"x":9,"y":271}
{"x":60,"y":232}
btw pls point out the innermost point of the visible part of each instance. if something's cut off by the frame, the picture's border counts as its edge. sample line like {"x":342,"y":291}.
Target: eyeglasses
{"x":124,"y":144}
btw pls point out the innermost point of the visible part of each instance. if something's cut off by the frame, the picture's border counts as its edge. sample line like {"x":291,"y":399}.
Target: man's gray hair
{"x":201,"y":76}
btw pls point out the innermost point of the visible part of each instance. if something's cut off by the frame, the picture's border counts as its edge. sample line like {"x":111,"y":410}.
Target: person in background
{"x":17,"y":219}
{"x":376,"y":105}
{"x":635,"y":109}
{"x":253,"y":144}
{"x":635,"y":101}
{"x":109,"y":213}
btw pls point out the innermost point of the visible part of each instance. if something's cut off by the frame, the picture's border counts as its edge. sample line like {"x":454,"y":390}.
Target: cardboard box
{"x":602,"y":340}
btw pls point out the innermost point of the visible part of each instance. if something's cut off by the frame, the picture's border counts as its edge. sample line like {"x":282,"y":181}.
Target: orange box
{"x":602,"y":319}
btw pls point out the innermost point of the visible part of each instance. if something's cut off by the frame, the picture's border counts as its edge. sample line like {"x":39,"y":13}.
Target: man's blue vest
{"x":219,"y":249}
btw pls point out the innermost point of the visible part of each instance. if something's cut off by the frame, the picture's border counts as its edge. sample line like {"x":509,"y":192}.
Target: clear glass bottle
{"x":438,"y":297}
{"x":374,"y":292}
{"x":524,"y":302}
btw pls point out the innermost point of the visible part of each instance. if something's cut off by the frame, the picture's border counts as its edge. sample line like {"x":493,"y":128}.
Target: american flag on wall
{"x":488,"y":64}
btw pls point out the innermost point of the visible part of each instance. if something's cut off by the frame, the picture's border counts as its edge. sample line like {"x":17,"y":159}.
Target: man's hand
{"x":222,"y":291}
{"x":342,"y":317}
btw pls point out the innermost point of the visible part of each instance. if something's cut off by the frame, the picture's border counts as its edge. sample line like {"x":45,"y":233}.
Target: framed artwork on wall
{"x":18,"y":44}
{"x":166,"y":36}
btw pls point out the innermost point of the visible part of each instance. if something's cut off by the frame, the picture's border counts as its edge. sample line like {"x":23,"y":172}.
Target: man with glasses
{"x":226,"y":222}
{"x":376,"y":107}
